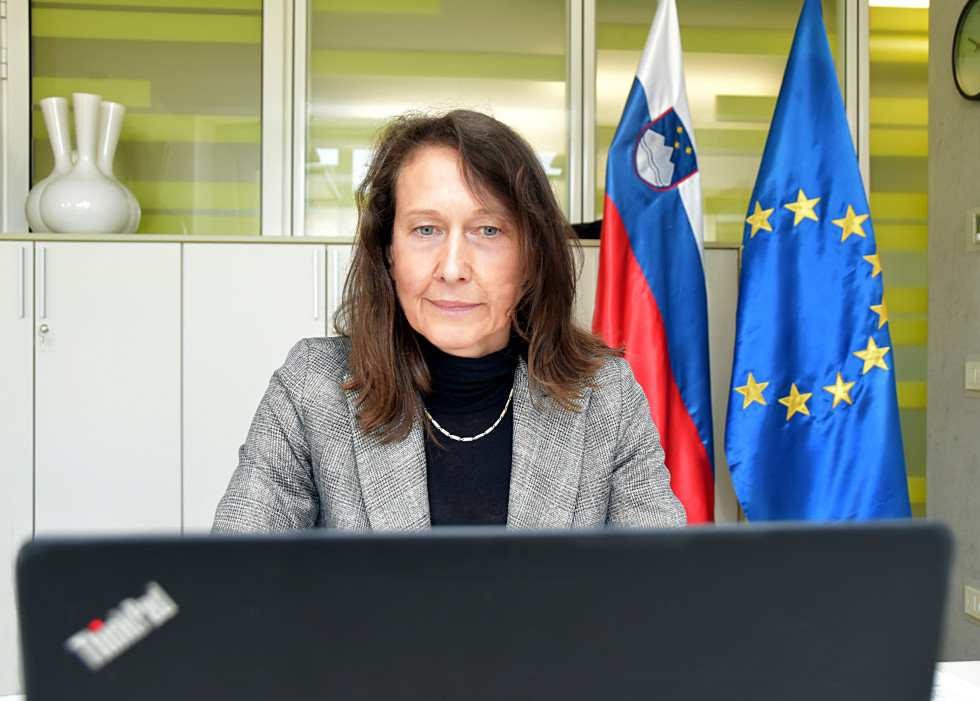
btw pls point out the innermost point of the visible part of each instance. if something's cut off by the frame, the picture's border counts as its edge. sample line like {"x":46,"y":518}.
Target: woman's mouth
{"x":453,"y":305}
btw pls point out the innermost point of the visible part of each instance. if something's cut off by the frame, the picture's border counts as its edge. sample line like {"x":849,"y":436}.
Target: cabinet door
{"x":16,"y":440}
{"x":339,"y":257}
{"x":245,"y":305}
{"x":107,"y":389}
{"x":721,"y":266}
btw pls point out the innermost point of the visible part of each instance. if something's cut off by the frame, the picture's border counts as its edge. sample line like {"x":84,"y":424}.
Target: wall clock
{"x":966,"y":51}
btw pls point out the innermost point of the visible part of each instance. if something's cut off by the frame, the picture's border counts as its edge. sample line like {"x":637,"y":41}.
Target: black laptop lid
{"x":774,"y":612}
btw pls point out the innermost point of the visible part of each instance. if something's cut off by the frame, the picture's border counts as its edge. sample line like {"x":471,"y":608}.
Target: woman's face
{"x":454,"y":259}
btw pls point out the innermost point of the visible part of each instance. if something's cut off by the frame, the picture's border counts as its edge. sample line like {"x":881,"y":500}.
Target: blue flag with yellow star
{"x":813,"y":429}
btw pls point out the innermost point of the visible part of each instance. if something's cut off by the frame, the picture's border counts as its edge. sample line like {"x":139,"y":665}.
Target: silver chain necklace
{"x":468,"y":439}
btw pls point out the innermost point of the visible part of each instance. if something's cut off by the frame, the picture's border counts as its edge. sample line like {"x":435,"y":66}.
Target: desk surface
{"x":968,"y":671}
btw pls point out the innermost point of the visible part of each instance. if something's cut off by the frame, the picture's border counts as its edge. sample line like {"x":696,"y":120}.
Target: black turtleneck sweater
{"x":469,"y":483}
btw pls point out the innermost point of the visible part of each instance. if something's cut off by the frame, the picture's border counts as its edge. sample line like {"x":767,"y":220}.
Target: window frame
{"x":284,"y":110}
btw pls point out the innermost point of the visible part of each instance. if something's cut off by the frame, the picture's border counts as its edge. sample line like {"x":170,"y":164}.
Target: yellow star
{"x":882,"y":311}
{"x":752,"y":392}
{"x":851,"y":224}
{"x":796,"y":402}
{"x":760,"y":219}
{"x":840,"y":391}
{"x":802,"y":208}
{"x":873,"y":356}
{"x":875,"y":263}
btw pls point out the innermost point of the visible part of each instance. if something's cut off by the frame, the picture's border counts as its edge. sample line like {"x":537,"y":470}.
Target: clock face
{"x":966,"y":51}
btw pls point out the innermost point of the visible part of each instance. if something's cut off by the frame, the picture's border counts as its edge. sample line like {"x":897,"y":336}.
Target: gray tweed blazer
{"x":306,"y":463}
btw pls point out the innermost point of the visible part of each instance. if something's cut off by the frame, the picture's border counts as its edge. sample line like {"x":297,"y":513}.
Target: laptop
{"x":792,"y":611}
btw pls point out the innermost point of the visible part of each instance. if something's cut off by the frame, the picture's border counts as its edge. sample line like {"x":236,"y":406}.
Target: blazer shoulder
{"x":324,"y":357}
{"x":616,"y":392}
{"x":614,"y":371}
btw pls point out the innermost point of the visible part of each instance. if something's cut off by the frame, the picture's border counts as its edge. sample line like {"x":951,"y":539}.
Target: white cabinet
{"x":129,"y":375}
{"x":107,"y":387}
{"x":339,"y":258}
{"x":16,"y":439}
{"x":245,"y":305}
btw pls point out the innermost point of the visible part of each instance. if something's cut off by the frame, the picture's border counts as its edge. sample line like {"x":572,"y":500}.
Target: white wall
{"x":953,"y":419}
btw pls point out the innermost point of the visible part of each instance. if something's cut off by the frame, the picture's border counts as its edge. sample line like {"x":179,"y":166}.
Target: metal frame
{"x":300,"y":88}
{"x":857,"y":69}
{"x":581,"y":110}
{"x":277,"y":33}
{"x":574,"y":103}
{"x":862,"y":53}
{"x":285,"y":83}
{"x":15,"y":121}
{"x":587,"y":141}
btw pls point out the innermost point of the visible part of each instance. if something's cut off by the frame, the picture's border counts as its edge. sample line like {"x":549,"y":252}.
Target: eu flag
{"x":813,"y":429}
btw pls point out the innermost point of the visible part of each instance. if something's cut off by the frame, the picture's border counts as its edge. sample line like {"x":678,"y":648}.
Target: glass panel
{"x":189,"y":75}
{"x":899,"y":86}
{"x":371,"y":59}
{"x":734,"y":57}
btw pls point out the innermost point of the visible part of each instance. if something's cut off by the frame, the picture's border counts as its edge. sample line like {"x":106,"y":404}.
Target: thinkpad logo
{"x":130,"y":621}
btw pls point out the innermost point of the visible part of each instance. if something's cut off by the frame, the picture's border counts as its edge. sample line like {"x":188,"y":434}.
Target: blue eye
{"x":489,"y":230}
{"x":425,"y":230}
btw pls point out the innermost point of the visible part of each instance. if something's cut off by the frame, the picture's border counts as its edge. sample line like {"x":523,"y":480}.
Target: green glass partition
{"x":189,"y":75}
{"x":899,"y":115}
{"x":371,"y":59}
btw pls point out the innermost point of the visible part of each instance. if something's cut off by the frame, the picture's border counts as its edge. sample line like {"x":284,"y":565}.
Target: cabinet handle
{"x":44,"y":283}
{"x":21,"y":282}
{"x":316,"y":284}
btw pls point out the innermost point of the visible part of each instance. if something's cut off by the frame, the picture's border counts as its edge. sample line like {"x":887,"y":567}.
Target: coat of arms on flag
{"x":665,"y":155}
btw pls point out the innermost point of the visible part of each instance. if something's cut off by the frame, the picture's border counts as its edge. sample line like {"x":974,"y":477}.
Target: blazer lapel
{"x":393,"y":481}
{"x":547,"y":461}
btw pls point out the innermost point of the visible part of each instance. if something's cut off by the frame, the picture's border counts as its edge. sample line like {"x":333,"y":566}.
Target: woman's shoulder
{"x":614,"y":370}
{"x":614,"y":386}
{"x":328,"y":357}
{"x":611,"y":380}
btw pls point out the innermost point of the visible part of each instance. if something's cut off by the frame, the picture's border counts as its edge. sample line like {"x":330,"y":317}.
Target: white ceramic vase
{"x":55,"y":111}
{"x":110,"y":124}
{"x":85,"y":200}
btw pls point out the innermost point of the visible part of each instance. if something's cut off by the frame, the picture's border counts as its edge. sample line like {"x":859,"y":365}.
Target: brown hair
{"x":387,"y":368}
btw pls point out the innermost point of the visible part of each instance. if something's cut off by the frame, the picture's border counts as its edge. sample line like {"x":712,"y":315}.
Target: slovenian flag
{"x":651,"y":294}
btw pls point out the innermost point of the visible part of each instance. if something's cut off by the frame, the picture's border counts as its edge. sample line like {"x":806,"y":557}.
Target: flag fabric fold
{"x":651,"y":293}
{"x":813,"y":425}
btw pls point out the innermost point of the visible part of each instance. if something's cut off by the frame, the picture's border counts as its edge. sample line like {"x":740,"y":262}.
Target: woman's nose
{"x":454,"y":259}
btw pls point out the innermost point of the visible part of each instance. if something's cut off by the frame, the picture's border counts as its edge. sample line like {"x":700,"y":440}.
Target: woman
{"x":460,"y":392}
